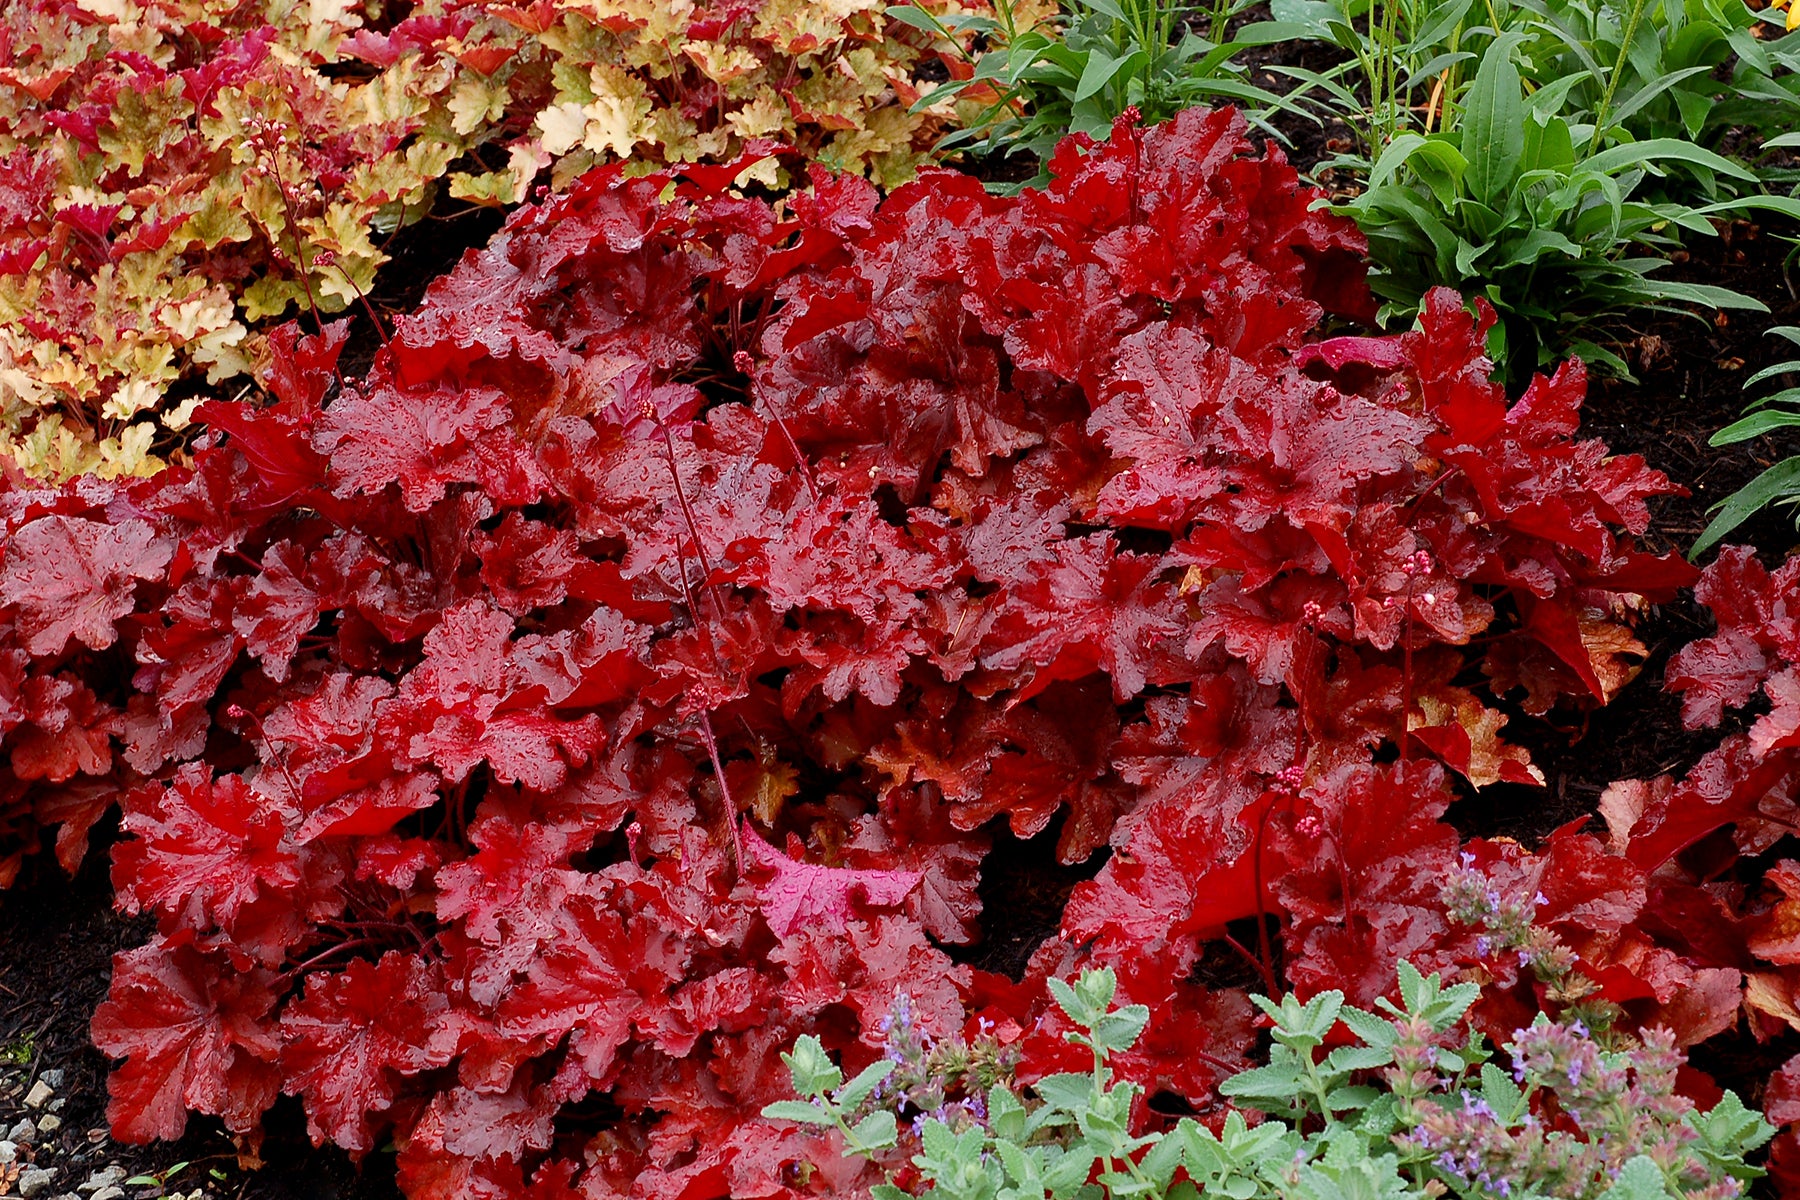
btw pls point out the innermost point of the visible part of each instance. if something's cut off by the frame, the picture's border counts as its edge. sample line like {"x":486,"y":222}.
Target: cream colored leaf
{"x":182,"y":415}
{"x":129,"y":453}
{"x":618,"y":117}
{"x":120,"y":12}
{"x":561,"y":127}
{"x":132,"y":398}
{"x":766,"y":115}
{"x":476,"y":102}
{"x":766,"y":171}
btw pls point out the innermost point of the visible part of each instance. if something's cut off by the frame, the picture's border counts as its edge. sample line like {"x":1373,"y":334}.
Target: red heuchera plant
{"x":522,"y":744}
{"x":1722,"y":891}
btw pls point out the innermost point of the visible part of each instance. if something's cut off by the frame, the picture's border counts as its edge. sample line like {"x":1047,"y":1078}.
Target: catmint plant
{"x":1508,"y":925}
{"x":1404,"y":1103}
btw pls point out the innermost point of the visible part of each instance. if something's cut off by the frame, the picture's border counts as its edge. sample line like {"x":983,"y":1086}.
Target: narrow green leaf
{"x":1098,"y":72}
{"x":1645,"y":95}
{"x":1272,"y":33}
{"x":918,"y":18}
{"x":1313,"y":15}
{"x":1652,"y":150}
{"x":1492,"y":125}
{"x":1778,"y":482}
{"x":1432,"y":67}
{"x":1703,"y":293}
{"x":1441,"y":22}
{"x":1781,"y":368}
{"x":1533,"y":246}
{"x":1548,"y":145}
{"x":1754,"y":425}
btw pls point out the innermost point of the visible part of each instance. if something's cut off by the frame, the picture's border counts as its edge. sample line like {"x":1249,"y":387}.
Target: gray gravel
{"x":41,"y":1158}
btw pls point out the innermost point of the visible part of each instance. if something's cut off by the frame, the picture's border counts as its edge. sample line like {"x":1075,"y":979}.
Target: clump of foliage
{"x":1506,"y":201}
{"x":1041,"y":71}
{"x":176,"y":174}
{"x":1546,"y":155}
{"x":616,"y":682}
{"x":1627,"y":72}
{"x":626,"y":676}
{"x":1404,"y":1104}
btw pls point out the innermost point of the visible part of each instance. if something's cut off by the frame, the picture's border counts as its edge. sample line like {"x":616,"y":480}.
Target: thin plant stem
{"x":368,"y":308}
{"x":706,"y":729}
{"x":687,"y":514}
{"x":1612,"y":82}
{"x":746,"y":367}
{"x":287,"y":211}
{"x":731,"y":813}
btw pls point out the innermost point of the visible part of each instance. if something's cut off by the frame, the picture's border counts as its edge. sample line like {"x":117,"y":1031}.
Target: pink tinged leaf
{"x":204,"y":849}
{"x":424,"y":440}
{"x":1779,"y":729}
{"x":375,"y":809}
{"x":801,"y":895}
{"x":1095,"y":609}
{"x":602,"y":970}
{"x":278,"y":610}
{"x":73,"y":578}
{"x":1381,"y":353}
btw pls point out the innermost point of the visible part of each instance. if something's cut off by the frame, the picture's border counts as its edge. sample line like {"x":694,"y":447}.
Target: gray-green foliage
{"x":1357,"y":1120}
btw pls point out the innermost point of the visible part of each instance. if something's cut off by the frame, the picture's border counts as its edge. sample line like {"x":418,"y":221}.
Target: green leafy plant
{"x":1546,"y":153}
{"x":1400,"y":58}
{"x":1043,"y":74}
{"x":1506,"y":201}
{"x":1689,"y":70}
{"x":19,"y":1051}
{"x":1409,"y":1104}
{"x":158,"y":1179}
{"x":1618,"y":73}
{"x":1779,"y":484}
{"x":1770,"y":101}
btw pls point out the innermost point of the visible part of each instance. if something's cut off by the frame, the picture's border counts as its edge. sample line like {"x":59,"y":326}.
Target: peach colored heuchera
{"x":173,"y":175}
